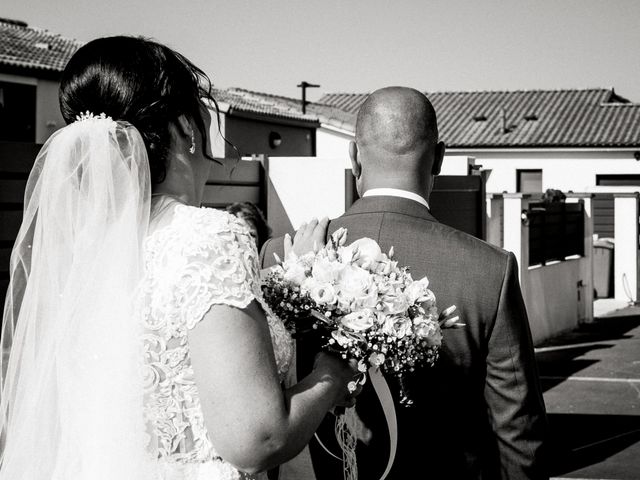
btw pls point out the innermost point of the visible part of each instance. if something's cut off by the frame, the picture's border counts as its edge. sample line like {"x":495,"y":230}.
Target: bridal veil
{"x":71,"y":401}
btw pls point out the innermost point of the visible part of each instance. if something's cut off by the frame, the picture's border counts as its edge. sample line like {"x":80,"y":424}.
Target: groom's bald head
{"x":396,"y":142}
{"x":397,"y":120}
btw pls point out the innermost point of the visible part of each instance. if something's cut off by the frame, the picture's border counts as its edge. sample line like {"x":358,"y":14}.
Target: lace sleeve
{"x":220,"y":265}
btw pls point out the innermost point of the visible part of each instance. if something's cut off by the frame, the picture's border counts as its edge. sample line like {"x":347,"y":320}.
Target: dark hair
{"x":139,"y":81}
{"x":250,"y":213}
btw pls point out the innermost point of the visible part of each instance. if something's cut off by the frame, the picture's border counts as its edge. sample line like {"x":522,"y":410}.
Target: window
{"x":618,"y":180}
{"x":17,"y":112}
{"x":529,"y":181}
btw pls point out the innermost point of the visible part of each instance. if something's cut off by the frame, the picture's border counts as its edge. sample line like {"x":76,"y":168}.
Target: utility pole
{"x":304,"y":85}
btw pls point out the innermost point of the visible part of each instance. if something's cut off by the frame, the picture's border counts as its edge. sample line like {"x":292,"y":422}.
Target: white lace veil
{"x":71,"y":405}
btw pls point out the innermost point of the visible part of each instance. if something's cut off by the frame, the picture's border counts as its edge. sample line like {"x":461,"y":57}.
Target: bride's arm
{"x":252,"y":423}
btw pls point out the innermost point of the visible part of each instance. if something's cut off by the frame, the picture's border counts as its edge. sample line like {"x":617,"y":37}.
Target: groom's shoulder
{"x":464,"y":242}
{"x":273,"y":246}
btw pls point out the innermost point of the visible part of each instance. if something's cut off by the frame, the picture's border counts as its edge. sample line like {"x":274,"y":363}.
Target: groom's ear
{"x":356,"y":167}
{"x":438,"y":157}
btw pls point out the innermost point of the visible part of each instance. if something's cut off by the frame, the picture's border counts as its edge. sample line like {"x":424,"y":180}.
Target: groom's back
{"x":447,"y":428}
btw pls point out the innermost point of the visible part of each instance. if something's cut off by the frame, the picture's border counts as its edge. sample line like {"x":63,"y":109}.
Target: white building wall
{"x":563,"y":170}
{"x":332,"y":143}
{"x":309,"y":186}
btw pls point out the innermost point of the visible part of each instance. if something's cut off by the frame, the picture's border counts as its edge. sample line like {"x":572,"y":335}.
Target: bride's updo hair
{"x":139,"y":81}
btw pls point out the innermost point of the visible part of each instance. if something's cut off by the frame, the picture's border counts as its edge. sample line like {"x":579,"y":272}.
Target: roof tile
{"x":594,"y":117}
{"x":27,"y":47}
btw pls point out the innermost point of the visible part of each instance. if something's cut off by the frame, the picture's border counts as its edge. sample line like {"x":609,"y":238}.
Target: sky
{"x":358,"y":46}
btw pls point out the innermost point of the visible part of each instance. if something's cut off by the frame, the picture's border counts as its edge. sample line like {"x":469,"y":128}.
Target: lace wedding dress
{"x":194,"y":258}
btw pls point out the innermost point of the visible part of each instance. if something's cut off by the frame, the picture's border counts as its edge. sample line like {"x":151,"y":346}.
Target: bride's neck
{"x":182,"y":182}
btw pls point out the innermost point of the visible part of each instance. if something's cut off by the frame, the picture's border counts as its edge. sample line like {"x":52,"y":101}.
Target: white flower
{"x":384,"y":266}
{"x":358,"y":321}
{"x":395,"y":303}
{"x":368,"y":252}
{"x":376,"y":359}
{"x":418,"y":291}
{"x":323,"y":293}
{"x":354,"y":282}
{"x":397,"y":326}
{"x":401,"y":326}
{"x":294,"y":272}
{"x":326,"y":271}
{"x":340,"y":337}
{"x":428,"y":330}
{"x":344,"y":338}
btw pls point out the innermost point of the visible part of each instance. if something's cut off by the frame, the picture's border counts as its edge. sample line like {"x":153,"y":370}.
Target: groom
{"x":478,"y":413}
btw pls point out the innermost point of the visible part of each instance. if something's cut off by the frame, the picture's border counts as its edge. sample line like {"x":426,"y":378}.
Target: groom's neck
{"x":409,"y":183}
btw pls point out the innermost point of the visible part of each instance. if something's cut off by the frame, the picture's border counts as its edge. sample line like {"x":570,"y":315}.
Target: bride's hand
{"x":341,"y":373}
{"x":310,"y":237}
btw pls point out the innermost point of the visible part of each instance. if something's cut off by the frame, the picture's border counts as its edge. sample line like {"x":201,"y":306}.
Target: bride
{"x":140,"y":346}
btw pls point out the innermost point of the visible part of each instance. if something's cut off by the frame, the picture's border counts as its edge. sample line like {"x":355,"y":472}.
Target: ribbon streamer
{"x":345,"y":431}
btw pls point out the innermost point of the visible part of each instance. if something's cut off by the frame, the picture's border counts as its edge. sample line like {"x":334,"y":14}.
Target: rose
{"x":326,"y":271}
{"x":376,"y":359}
{"x":384,"y":266}
{"x":344,"y":338}
{"x":364,"y":252}
{"x":294,"y":270}
{"x":402,"y":326}
{"x":397,"y":326}
{"x":428,"y":330}
{"x":418,"y":291}
{"x":358,"y":321}
{"x":395,"y":303}
{"x":354,"y":282}
{"x":323,"y":293}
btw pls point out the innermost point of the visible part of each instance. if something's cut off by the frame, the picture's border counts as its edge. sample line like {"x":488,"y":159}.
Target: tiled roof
{"x":242,"y":100}
{"x":596,"y":118}
{"x":27,"y":48}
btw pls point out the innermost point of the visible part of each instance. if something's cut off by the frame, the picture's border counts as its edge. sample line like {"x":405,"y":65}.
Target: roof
{"x":263,"y":104}
{"x":578,"y":118}
{"x":33,"y":50}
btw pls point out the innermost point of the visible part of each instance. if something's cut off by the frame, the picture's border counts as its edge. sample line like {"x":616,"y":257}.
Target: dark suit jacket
{"x":479,"y":412}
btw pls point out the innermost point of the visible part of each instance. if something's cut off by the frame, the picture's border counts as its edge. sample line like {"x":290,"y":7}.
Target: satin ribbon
{"x":381,"y":387}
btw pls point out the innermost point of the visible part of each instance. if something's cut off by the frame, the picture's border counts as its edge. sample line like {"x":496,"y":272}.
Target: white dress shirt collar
{"x":395,"y":192}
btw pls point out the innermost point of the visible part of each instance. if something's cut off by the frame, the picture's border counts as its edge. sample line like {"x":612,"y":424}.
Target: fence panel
{"x":556,"y":231}
{"x":16,"y":160}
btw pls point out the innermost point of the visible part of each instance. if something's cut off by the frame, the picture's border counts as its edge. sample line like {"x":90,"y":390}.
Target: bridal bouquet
{"x":364,"y":305}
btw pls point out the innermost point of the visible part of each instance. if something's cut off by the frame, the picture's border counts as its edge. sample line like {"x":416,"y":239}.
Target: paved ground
{"x":591,"y":382}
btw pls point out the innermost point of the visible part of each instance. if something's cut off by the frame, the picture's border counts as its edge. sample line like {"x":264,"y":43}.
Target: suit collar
{"x":381,"y":204}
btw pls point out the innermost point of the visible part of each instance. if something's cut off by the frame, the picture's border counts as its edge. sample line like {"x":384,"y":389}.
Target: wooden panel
{"x":17,"y":157}
{"x":9,"y":225}
{"x":5,"y":254}
{"x":245,"y":172}
{"x":603,"y":215}
{"x":556,"y":231}
{"x":222,"y":195}
{"x":4,"y":284}
{"x":459,"y":201}
{"x":12,"y":191}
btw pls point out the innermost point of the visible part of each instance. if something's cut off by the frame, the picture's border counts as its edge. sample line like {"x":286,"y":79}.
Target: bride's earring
{"x":192,"y":149}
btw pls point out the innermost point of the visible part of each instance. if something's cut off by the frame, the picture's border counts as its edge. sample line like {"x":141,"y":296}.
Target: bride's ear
{"x":185,"y":127}
{"x":181,"y":132}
